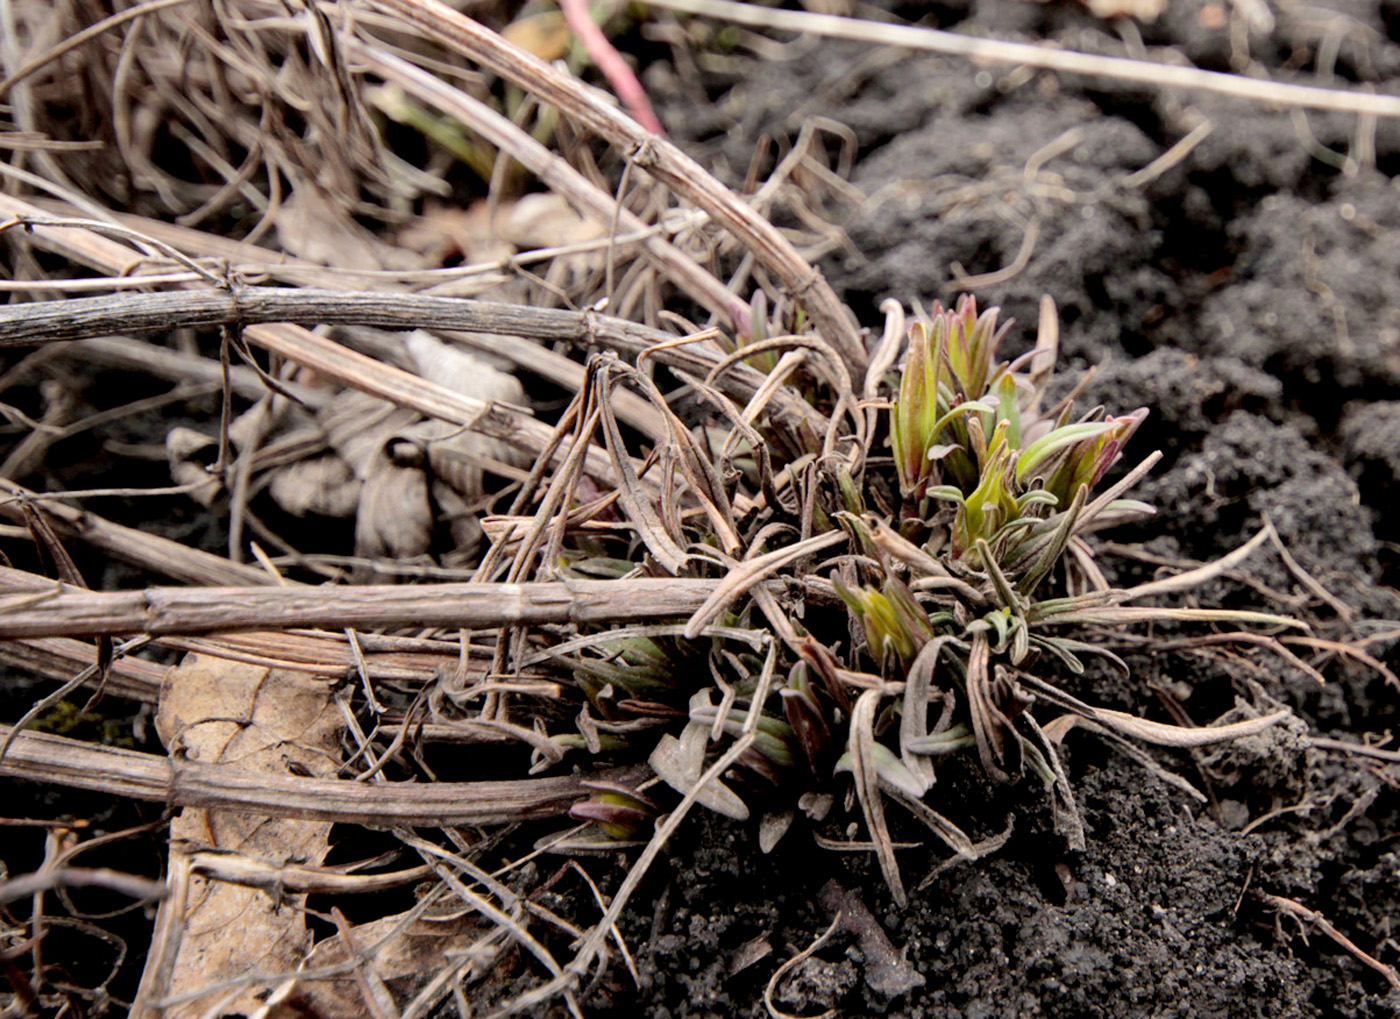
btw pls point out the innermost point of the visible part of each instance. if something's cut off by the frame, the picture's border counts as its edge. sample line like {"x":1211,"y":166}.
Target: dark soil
{"x":1250,"y":298}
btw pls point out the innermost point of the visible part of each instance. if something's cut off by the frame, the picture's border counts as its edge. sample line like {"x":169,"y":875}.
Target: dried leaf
{"x":1195,"y":578}
{"x":752,"y":571}
{"x":1181,"y":736}
{"x":636,"y":503}
{"x":546,"y":219}
{"x":312,"y":226}
{"x":395,"y":472}
{"x":463,"y":523}
{"x":444,"y":233}
{"x":456,"y":456}
{"x":1112,"y":615}
{"x":491,"y":232}
{"x":751,"y":951}
{"x":460,"y":370}
{"x":247,"y":719}
{"x":989,"y":724}
{"x":865,"y":769}
{"x":357,"y":425}
{"x":265,"y":418}
{"x":1068,"y":821}
{"x":913,"y":720}
{"x":772,"y":827}
{"x":325,"y":486}
{"x":395,"y":519}
{"x":404,"y":953}
{"x":668,"y":760}
{"x":190,"y":452}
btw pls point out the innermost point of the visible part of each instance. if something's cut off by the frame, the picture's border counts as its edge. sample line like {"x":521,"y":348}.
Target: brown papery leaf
{"x":188,"y":452}
{"x":395,"y":519}
{"x":247,"y":719}
{"x":1183,"y":736}
{"x":404,"y":953}
{"x":456,"y":456}
{"x":325,"y":486}
{"x":312,"y":226}
{"x":397,"y":473}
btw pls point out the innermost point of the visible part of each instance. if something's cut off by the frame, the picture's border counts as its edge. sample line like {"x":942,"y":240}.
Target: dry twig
{"x":41,"y":757}
{"x":46,"y":609}
{"x":1067,"y":61}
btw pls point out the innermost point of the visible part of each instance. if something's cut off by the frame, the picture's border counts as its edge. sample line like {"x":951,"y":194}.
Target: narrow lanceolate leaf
{"x":809,"y":728}
{"x":915,"y":411}
{"x":753,"y":571}
{"x":1200,"y":575}
{"x":987,"y":719}
{"x":636,"y":502}
{"x":949,"y":492}
{"x":1181,"y":736}
{"x":667,"y":761}
{"x":1107,"y":498}
{"x":959,"y":411}
{"x":999,"y":581}
{"x":1039,"y":452}
{"x":953,"y":836}
{"x":1052,"y":551}
{"x":1009,"y":408}
{"x":1065,"y":648}
{"x":913,"y":723}
{"x":865,"y":768}
{"x":1110,"y":615}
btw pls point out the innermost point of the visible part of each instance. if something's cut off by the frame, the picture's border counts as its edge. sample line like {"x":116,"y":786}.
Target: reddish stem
{"x":610,"y":62}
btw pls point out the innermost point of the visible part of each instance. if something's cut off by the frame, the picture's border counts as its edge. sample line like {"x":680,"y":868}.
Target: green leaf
{"x":889,"y":768}
{"x":1037,"y":497}
{"x":1050,"y":555}
{"x":1009,"y":408}
{"x":1038,"y":452}
{"x":951,"y":493}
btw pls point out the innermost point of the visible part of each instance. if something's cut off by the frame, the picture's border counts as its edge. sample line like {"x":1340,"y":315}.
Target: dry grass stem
{"x":999,"y":52}
{"x":650,"y":152}
{"x":44,"y":758}
{"x":1303,"y":913}
{"x":151,"y":551}
{"x":27,"y":885}
{"x":58,"y":610}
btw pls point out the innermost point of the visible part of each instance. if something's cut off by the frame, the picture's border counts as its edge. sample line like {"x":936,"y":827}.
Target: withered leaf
{"x":398,"y":474}
{"x":325,"y":486}
{"x":250,"y":719}
{"x":405,"y":954}
{"x":395,"y":519}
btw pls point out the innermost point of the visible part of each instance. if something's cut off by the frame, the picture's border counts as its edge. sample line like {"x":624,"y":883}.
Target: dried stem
{"x":40,"y":757}
{"x":328,"y":358}
{"x":59,"y":658}
{"x":996,"y":51}
{"x":673,"y":263}
{"x":654,"y":154}
{"x":160,"y":555}
{"x":44,"y":608}
{"x":33,"y":324}
{"x":1303,"y":913}
{"x":26,"y":885}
